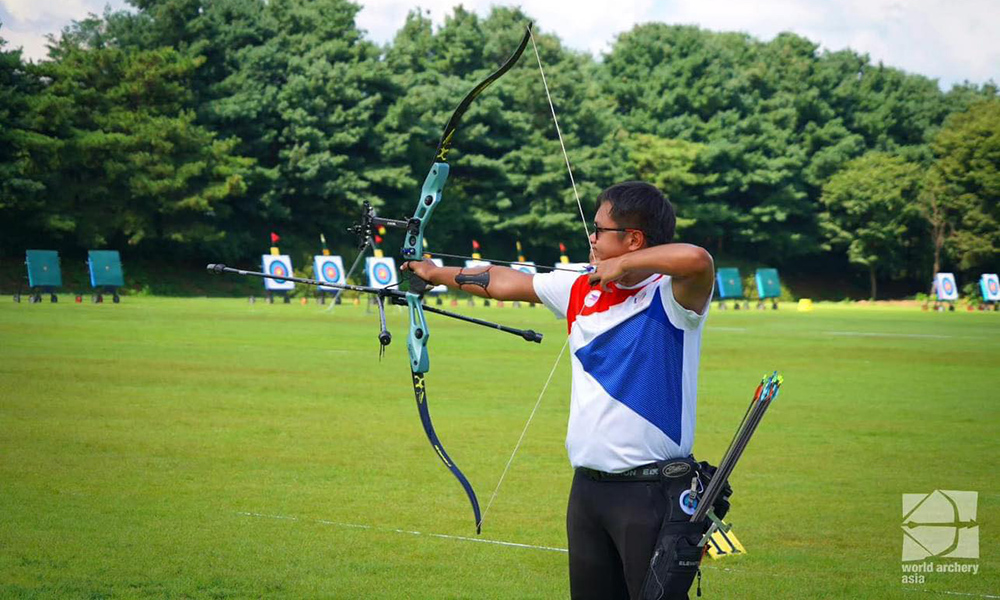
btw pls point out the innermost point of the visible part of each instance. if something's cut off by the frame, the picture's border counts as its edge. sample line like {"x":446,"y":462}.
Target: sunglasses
{"x":599,"y":230}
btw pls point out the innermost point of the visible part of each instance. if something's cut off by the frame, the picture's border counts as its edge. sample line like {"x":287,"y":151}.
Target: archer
{"x":635,"y":326}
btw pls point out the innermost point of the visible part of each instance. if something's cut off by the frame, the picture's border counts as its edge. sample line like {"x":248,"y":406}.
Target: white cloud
{"x":25,"y":23}
{"x":950,"y":40}
{"x":29,"y":41}
{"x":35,"y":11}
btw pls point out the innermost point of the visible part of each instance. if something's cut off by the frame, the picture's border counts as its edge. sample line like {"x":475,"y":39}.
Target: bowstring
{"x":583,"y":219}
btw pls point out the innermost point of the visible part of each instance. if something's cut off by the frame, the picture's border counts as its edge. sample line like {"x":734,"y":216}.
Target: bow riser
{"x":430,"y":196}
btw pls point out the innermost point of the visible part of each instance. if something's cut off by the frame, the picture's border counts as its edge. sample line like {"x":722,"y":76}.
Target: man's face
{"x":609,"y":239}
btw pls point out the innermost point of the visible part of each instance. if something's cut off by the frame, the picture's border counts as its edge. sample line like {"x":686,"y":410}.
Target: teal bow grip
{"x":416,"y":343}
{"x":430,"y":196}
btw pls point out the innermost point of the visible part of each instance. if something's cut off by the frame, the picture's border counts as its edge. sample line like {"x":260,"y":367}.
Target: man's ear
{"x":637,"y":241}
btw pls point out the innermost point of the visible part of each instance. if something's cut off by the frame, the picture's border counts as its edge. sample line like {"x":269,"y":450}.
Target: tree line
{"x":189,"y":130}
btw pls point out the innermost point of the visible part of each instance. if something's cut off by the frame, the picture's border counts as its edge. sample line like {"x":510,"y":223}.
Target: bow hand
{"x":421,"y":274}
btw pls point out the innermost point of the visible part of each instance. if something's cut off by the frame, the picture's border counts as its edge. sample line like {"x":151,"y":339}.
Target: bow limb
{"x":430,"y":197}
{"x":420,"y":392}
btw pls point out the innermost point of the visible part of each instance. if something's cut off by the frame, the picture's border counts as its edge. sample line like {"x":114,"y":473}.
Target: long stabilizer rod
{"x":397,"y":297}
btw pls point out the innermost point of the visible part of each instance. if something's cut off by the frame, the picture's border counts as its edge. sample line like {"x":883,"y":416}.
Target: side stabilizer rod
{"x":397,"y":297}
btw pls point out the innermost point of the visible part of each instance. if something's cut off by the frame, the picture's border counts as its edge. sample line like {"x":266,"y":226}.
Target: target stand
{"x":278,"y":265}
{"x":106,"y":275}
{"x":989,"y":286}
{"x":768,"y":288}
{"x":44,"y":275}
{"x":331,"y":270}
{"x":729,"y":286}
{"x":945,"y":291}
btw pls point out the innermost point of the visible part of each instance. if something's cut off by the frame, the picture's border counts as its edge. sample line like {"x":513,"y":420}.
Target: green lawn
{"x":209,"y":448}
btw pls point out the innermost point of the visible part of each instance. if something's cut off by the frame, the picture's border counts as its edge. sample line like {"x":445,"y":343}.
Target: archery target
{"x":944,"y":284}
{"x":279,"y":266}
{"x":526,"y":267}
{"x":438,"y":289}
{"x":381,"y":272}
{"x":329,"y":269}
{"x":990,"y":285}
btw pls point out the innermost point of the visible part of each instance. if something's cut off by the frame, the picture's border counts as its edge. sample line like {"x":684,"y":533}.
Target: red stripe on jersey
{"x":606,"y":299}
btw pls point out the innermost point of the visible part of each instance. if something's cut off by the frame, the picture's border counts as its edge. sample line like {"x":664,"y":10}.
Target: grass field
{"x":208,"y":448}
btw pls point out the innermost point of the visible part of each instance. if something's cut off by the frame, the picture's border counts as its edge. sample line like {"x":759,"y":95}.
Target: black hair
{"x":639,"y":205}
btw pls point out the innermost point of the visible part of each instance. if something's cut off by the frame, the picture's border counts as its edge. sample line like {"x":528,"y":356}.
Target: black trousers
{"x":612,"y":528}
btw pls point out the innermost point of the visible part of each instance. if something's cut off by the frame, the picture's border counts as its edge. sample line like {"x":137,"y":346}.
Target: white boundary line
{"x":406,"y":531}
{"x":901,"y":335}
{"x":950,"y":593}
{"x":443,"y":536}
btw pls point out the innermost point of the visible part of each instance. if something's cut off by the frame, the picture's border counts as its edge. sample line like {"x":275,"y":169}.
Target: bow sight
{"x":370,"y":222}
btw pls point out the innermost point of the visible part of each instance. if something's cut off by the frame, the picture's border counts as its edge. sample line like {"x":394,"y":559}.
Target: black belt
{"x":667,"y":469}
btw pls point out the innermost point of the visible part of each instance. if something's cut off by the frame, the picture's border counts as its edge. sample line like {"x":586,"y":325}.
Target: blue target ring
{"x":382,"y":274}
{"x":948,"y":286}
{"x":278,"y":269}
{"x":330,"y":272}
{"x":993,"y":286}
{"x":524,"y":269}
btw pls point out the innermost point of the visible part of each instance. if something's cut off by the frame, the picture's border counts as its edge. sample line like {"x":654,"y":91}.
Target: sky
{"x":948,"y":40}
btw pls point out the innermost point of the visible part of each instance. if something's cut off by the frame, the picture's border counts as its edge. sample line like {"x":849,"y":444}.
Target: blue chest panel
{"x":639,"y":363}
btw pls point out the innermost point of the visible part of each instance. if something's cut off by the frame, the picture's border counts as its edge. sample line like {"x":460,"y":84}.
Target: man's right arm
{"x":499,"y":283}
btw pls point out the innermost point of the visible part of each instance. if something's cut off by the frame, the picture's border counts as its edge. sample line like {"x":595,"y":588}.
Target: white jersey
{"x":635,"y":354}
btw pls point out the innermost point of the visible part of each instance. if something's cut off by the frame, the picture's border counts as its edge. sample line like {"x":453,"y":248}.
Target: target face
{"x":990,"y":287}
{"x":946,"y":287}
{"x":382,"y":274}
{"x":329,"y":269}
{"x":279,"y":269}
{"x":278,"y":266}
{"x":330,"y":272}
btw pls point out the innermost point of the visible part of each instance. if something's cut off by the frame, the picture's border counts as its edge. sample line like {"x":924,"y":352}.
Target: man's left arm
{"x":690,"y":267}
